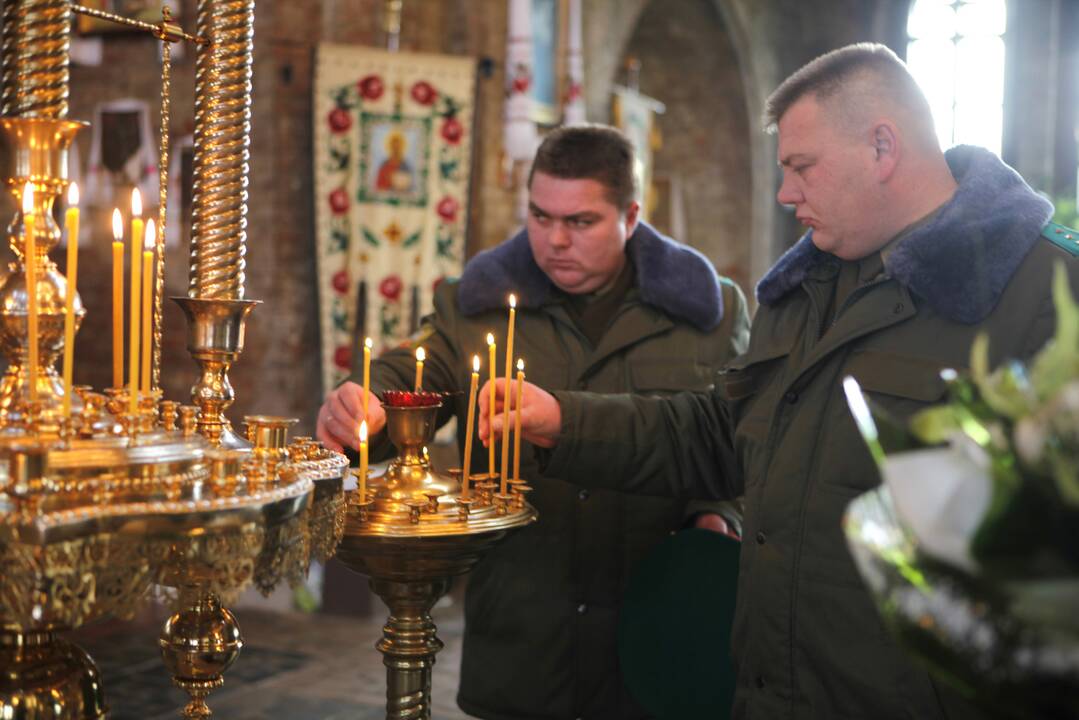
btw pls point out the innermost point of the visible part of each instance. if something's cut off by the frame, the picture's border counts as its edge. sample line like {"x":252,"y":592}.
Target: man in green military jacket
{"x":911,"y":253}
{"x":605,"y":304}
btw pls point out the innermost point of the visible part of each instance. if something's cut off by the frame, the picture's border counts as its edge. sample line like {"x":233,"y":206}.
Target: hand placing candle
{"x":517,"y":420}
{"x":136,"y":290}
{"x":71,"y":222}
{"x":420,"y":357}
{"x":366,"y":374}
{"x":30,"y":261}
{"x":491,"y":363}
{"x":117,"y":299}
{"x":147,"y":299}
{"x":470,"y":424}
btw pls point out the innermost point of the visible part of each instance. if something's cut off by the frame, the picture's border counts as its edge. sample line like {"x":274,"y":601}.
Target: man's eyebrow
{"x":536,"y":209}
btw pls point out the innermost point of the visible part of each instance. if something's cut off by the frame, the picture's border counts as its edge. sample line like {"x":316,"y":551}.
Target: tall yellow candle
{"x":470,"y":424}
{"x":366,"y":373}
{"x":420,"y":357}
{"x":491,"y":363}
{"x":136,"y":290}
{"x":30,"y":260}
{"x":117,"y":299}
{"x":71,"y":222}
{"x":506,"y":401}
{"x":517,"y":420}
{"x":147,"y":308}
{"x":363,"y":461}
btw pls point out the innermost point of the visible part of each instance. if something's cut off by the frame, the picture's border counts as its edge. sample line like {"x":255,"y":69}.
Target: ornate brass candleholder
{"x":98,"y":505}
{"x":411,"y":533}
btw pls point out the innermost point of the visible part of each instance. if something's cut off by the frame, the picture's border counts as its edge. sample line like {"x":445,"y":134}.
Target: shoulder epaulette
{"x":1063,"y":237}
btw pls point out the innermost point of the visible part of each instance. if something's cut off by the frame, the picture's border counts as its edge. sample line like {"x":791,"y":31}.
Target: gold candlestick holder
{"x":215,"y":338}
{"x":40,"y":147}
{"x":410,"y":535}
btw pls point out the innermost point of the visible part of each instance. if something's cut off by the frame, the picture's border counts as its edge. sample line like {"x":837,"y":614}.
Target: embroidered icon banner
{"x":392,"y":160}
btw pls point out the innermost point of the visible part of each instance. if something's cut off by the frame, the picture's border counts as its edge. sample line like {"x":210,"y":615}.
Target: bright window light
{"x":956,"y":53}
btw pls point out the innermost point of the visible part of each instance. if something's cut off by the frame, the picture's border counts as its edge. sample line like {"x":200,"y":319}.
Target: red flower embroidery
{"x":339,"y":201}
{"x":522,"y":78}
{"x":391,"y":287}
{"x":339,"y":120}
{"x":452,"y":130}
{"x":370,"y":87}
{"x":423,"y":93}
{"x":573,"y":92}
{"x":342,"y":357}
{"x":447,"y":209}
{"x":340,"y":281}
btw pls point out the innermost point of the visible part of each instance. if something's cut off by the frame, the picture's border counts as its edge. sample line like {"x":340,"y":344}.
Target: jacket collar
{"x":962,"y":258}
{"x":671,"y":277}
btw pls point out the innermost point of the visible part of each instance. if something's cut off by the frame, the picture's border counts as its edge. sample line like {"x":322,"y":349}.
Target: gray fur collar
{"x":961,"y":259}
{"x":672,"y":277}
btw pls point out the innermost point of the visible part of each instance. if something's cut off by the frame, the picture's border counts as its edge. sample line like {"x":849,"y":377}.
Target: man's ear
{"x":886,"y":149}
{"x":632,"y":212}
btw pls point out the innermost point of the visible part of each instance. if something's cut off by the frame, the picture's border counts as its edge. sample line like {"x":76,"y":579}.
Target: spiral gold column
{"x":36,"y":48}
{"x":222,"y":137}
{"x":215,"y":308}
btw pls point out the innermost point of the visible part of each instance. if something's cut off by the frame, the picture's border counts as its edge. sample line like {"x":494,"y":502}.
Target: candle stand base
{"x":47,"y":678}
{"x":411,"y":534}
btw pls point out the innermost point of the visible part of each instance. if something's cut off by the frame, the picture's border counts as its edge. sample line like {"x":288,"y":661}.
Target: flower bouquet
{"x":970,"y":547}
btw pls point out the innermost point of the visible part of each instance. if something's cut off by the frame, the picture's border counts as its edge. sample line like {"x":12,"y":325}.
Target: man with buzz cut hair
{"x":910,"y":254}
{"x":605,"y":304}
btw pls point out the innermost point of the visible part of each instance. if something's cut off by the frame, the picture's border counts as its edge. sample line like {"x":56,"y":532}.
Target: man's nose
{"x":559,"y":236}
{"x":788,"y":194}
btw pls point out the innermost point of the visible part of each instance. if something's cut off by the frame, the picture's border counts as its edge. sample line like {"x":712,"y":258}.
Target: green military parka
{"x":807,"y":640}
{"x":541,"y":609}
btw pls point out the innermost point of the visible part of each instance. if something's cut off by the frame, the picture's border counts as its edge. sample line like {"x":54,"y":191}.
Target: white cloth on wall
{"x":574,"y":108}
{"x":140,"y":166}
{"x":519,"y":131}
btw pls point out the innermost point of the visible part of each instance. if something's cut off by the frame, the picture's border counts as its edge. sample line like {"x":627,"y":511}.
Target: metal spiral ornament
{"x":222,"y":137}
{"x":163,"y":203}
{"x":36,"y":49}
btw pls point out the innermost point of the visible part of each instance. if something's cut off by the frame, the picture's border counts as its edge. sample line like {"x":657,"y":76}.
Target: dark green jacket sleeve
{"x":678,"y":446}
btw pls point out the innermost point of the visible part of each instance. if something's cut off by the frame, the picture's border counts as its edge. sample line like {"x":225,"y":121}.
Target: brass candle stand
{"x":410,"y":534}
{"x":98,"y":506}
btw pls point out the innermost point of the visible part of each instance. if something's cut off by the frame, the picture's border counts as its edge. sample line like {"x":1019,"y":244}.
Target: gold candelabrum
{"x":410,"y":531}
{"x":100,"y":503}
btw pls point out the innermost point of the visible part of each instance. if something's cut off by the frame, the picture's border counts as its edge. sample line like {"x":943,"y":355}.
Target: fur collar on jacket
{"x":961,"y":259}
{"x":672,"y":277}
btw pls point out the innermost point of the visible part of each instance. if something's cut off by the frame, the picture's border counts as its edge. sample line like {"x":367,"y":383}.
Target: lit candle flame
{"x":490,"y":339}
{"x":363,"y":431}
{"x":117,"y":225}
{"x":513,"y":300}
{"x":136,"y":202}
{"x":420,"y":354}
{"x":73,"y":194}
{"x":475,"y":363}
{"x":368,"y":343}
{"x":148,"y":238}
{"x":520,"y":364}
{"x":28,"y":198}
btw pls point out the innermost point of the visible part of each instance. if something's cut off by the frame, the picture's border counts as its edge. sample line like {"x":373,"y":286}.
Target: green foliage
{"x":1027,"y":420}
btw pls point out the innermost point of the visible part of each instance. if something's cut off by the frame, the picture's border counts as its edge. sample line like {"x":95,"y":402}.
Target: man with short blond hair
{"x":910,"y":254}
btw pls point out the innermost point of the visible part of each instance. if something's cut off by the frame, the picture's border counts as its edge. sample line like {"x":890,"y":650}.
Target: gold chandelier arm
{"x":222,"y":138}
{"x":164,"y":30}
{"x":36,"y":46}
{"x":163,"y":195}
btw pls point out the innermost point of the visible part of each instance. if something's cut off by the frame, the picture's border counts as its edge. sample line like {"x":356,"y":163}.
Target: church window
{"x":956,"y":53}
